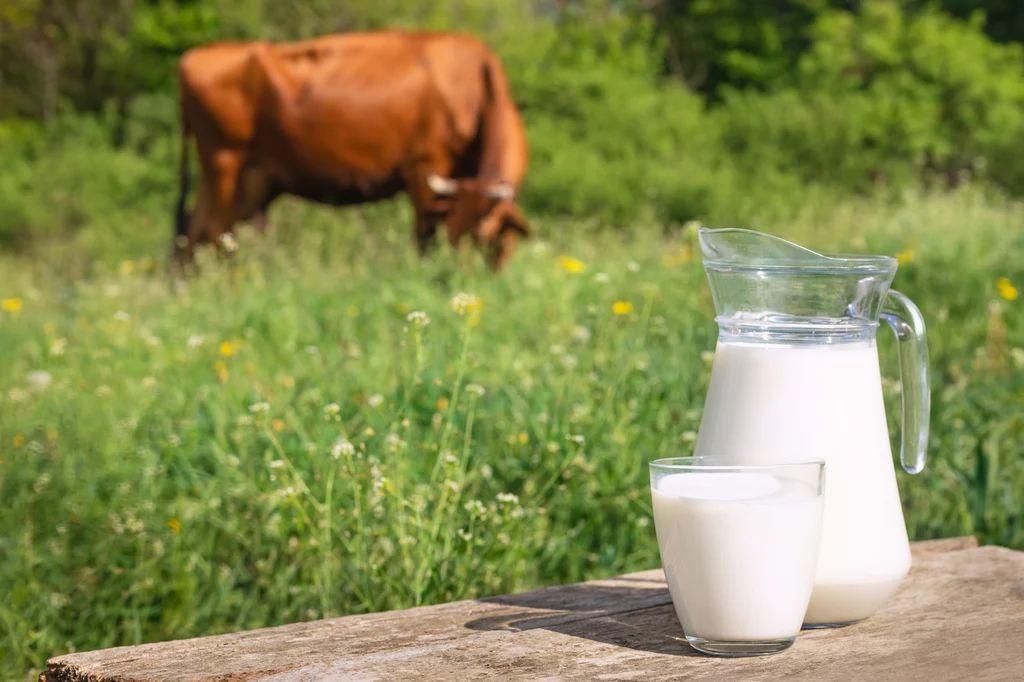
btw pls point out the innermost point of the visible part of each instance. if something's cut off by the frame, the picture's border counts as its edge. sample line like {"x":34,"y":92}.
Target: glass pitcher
{"x":796,"y":376}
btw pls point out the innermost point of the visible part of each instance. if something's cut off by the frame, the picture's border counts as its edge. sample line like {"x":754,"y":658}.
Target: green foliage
{"x":148,"y":496}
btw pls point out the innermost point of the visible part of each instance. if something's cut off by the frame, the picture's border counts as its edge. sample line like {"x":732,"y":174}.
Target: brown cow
{"x":353,"y":118}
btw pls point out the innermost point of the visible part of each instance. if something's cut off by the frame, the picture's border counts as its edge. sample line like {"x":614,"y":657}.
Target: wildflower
{"x":195,"y":340}
{"x":1006,"y":289}
{"x":244,"y":420}
{"x":62,"y":529}
{"x":228,"y":348}
{"x":58,"y":346}
{"x":486,"y":471}
{"x":569,"y":361}
{"x":523,"y":438}
{"x":221,"y":368}
{"x":149,"y":382}
{"x":406,"y":541}
{"x":260,"y":407}
{"x":508,"y":498}
{"x":643,"y":521}
{"x":691,"y":228}
{"x":576,"y":438}
{"x":41,"y":483}
{"x":103,"y":390}
{"x":707,"y":356}
{"x":602,"y":278}
{"x":58,"y":600}
{"x":476,"y":389}
{"x":277,"y":464}
{"x":450,"y":458}
{"x":228,"y":242}
{"x":394,"y":442}
{"x":127,"y":267}
{"x":122,"y":316}
{"x":475,"y":508}
{"x":632,"y":266}
{"x":442,"y":404}
{"x":135,"y":526}
{"x":403,"y":308}
{"x":464,"y":534}
{"x":905,"y":256}
{"x":368,"y":431}
{"x":452,"y":485}
{"x":581,"y":333}
{"x":466,"y":303}
{"x":418,"y":319}
{"x":174,"y":440}
{"x":288,"y":381}
{"x":332,"y":412}
{"x":39,"y":380}
{"x":622,"y":307}
{"x":18,"y":440}
{"x":342,"y":447}
{"x":689,"y":436}
{"x":11,"y":305}
{"x":375,"y":400}
{"x":174,"y":524}
{"x":571,"y":265}
{"x":277,"y":425}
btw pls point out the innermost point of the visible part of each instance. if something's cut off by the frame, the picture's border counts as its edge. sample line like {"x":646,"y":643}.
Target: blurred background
{"x":726,"y":111}
{"x":331,"y":425}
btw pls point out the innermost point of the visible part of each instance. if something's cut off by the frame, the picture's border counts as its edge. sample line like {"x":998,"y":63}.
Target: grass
{"x":282,"y":441}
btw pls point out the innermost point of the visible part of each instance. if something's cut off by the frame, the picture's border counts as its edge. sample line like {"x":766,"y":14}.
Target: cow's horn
{"x":502,"y":191}
{"x":439,"y":185}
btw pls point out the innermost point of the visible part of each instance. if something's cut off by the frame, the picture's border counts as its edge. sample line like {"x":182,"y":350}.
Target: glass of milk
{"x":739,"y":545}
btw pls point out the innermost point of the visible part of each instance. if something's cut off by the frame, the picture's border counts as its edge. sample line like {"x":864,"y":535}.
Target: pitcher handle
{"x":907,"y":323}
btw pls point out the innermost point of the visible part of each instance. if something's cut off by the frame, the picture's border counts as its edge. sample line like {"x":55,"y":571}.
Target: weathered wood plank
{"x":959,"y":613}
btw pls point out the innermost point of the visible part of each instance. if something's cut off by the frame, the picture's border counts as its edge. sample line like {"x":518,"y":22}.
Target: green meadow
{"x":329,"y":425}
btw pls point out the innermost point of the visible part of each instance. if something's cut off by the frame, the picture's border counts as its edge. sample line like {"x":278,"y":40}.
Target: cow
{"x":351,"y":118}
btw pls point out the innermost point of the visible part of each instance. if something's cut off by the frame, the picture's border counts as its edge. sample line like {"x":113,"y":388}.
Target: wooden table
{"x":959,"y":615}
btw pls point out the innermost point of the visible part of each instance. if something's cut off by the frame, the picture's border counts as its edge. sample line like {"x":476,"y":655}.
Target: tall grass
{"x":333,"y":426}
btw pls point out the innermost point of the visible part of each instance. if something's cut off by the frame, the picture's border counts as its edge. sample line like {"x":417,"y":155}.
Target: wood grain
{"x":959,"y":614}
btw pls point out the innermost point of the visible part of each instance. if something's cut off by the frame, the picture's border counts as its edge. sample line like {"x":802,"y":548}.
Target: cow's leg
{"x":502,"y":250}
{"x":425,"y":203}
{"x":225,"y":164}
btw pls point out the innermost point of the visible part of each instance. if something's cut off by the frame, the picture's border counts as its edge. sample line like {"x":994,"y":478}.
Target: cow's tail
{"x":181,"y":217}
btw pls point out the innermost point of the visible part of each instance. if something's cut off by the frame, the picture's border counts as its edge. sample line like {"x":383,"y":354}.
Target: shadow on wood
{"x":648,"y":624}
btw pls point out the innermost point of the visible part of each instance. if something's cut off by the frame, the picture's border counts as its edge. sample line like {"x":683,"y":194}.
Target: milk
{"x":739,"y":552}
{"x":772,"y":402}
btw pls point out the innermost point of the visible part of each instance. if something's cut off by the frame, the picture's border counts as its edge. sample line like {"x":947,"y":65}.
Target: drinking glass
{"x":739,"y":545}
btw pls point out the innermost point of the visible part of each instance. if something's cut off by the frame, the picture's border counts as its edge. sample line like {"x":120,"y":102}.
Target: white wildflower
{"x":486,"y":471}
{"x":418,"y":318}
{"x":228,"y":242}
{"x":465,"y":535}
{"x":39,"y":380}
{"x":602,"y":278}
{"x":394,"y":442}
{"x":58,"y":346}
{"x":41,"y":483}
{"x":632,"y":266}
{"x":276,"y":464}
{"x":260,"y":407}
{"x":454,"y":486}
{"x":581,"y":333}
{"x":122,"y":316}
{"x":449,"y":458}
{"x":149,"y":382}
{"x":195,"y":340}
{"x":643,"y":521}
{"x":332,"y":412}
{"x":508,"y":498}
{"x":342,"y":447}
{"x":576,"y":438}
{"x":464,"y":303}
{"x":476,"y":389}
{"x":406,"y":541}
{"x":375,"y":400}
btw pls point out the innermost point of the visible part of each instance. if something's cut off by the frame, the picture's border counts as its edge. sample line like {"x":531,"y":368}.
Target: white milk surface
{"x":770,"y":403}
{"x":739,"y":552}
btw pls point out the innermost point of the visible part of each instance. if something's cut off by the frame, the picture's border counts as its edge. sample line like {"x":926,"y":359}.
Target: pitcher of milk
{"x":796,"y":376}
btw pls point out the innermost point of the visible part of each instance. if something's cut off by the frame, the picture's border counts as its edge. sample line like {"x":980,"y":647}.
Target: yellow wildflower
{"x":622,"y":307}
{"x":127,"y":267}
{"x":523,"y":438}
{"x":441,"y":404}
{"x":174,"y":524}
{"x":277,"y":425}
{"x":905,"y":256}
{"x":11,"y":305}
{"x":229,"y":348}
{"x":288,"y":382}
{"x":1006,"y":289}
{"x":18,"y":440}
{"x":403,"y":308}
{"x":571,"y":265}
{"x":222,"y":371}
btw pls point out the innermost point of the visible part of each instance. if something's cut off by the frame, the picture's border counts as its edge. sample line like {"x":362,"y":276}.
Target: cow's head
{"x":485,"y":210}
